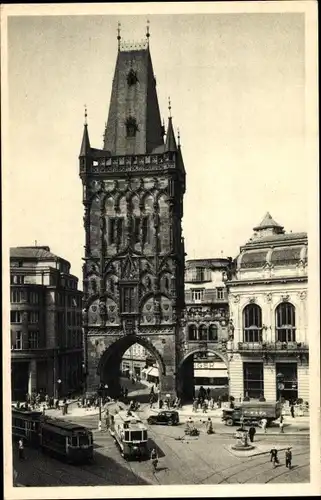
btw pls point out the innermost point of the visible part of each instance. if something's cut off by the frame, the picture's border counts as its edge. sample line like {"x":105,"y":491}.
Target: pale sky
{"x":236,"y":83}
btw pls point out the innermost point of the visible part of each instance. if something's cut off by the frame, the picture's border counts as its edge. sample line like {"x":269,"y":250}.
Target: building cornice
{"x":264,"y":281}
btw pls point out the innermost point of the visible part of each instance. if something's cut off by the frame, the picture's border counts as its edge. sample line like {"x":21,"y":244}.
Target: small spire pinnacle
{"x":169,"y":107}
{"x":86,"y":114}
{"x":147,"y":32}
{"x":178,"y":138}
{"x":118,"y":35}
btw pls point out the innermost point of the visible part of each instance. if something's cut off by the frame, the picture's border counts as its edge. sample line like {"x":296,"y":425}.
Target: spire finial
{"x":147,"y":32}
{"x":86,"y":114}
{"x":178,"y":138}
{"x":118,"y":35}
{"x":169,"y":107}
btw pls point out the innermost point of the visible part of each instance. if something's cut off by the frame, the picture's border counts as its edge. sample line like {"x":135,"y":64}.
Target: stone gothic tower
{"x":133,"y":272}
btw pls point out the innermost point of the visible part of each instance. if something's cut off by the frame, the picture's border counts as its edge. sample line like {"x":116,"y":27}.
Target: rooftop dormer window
{"x":132,"y":78}
{"x":131,"y":127}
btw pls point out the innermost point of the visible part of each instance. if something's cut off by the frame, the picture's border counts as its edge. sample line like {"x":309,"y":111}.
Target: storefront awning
{"x":210,"y":373}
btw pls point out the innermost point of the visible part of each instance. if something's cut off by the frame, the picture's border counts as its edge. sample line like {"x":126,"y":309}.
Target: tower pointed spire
{"x":85,"y":145}
{"x":118,"y":35}
{"x":147,"y":32}
{"x":170,"y":144}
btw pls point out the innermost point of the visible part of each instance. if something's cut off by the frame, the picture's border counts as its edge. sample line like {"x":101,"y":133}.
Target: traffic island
{"x":242,"y":443}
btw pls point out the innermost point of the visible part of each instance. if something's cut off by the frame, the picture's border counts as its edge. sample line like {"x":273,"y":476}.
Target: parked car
{"x":167,"y":417}
{"x":253,"y":411}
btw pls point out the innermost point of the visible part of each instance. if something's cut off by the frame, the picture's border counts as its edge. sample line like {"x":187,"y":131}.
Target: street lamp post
{"x":58,"y":387}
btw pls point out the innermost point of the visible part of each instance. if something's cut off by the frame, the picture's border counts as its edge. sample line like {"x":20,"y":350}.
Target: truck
{"x":252,"y":411}
{"x":130,"y":434}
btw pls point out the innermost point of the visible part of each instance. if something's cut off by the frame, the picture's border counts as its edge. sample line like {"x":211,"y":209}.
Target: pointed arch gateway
{"x":108,"y":367}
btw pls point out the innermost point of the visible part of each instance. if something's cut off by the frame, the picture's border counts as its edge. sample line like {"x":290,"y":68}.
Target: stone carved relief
{"x":236,"y":299}
{"x":252,"y":300}
{"x":285,"y":298}
{"x":269,"y":297}
{"x":302,"y":295}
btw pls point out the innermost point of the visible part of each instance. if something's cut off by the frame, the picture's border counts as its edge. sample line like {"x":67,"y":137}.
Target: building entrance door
{"x":286,"y":381}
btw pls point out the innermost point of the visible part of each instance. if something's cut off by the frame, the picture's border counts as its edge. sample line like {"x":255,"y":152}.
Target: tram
{"x":63,"y":439}
{"x":26,"y":425}
{"x":66,"y":440}
{"x":130,"y":435}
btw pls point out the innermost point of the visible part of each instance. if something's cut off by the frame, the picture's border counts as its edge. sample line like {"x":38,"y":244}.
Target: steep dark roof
{"x":170,"y":144}
{"x":137,"y":100}
{"x":85,"y":145}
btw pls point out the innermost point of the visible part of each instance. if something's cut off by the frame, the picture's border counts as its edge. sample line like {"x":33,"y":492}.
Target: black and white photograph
{"x":160,"y":250}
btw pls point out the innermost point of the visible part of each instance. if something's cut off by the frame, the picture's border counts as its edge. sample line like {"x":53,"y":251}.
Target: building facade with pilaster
{"x":45,"y":323}
{"x":269,"y":346}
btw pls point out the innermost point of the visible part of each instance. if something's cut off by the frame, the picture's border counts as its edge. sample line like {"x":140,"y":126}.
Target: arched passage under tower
{"x":203,"y":367}
{"x":109,"y":366}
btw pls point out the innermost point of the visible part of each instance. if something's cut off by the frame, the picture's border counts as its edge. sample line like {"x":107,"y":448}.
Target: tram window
{"x":144,"y":435}
{"x":83,"y":439}
{"x":136,"y":435}
{"x":73,"y":441}
{"x":126,"y":436}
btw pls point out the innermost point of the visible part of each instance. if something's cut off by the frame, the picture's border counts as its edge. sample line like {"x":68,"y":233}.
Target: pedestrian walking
{"x":292,"y":410}
{"x":195,"y":405}
{"x":21,"y":449}
{"x":209,"y":426}
{"x":274,"y":456}
{"x":252,"y":432}
{"x":107,"y":420}
{"x":264,"y":424}
{"x":281,"y":425}
{"x":204,"y":406}
{"x":154,"y":459}
{"x":288,"y":458}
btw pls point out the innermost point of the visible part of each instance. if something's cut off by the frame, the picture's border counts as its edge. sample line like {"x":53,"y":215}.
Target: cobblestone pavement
{"x":202,"y":460}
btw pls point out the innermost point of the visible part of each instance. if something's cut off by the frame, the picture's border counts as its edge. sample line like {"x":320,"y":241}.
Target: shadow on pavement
{"x":43,"y":470}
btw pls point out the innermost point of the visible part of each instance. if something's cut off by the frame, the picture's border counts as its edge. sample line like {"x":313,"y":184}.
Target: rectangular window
{"x":128,"y":299}
{"x":34,"y":297}
{"x":33,"y":340}
{"x":17,"y":296}
{"x":17,"y":280}
{"x":112,"y":230}
{"x":16,"y":340}
{"x":253,"y":380}
{"x":15,"y":316}
{"x":33,"y":316}
{"x":252,"y":336}
{"x":220,"y":293}
{"x":198,"y":295}
{"x":200,"y":271}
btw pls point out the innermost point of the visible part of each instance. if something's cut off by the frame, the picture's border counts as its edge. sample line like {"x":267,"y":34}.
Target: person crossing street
{"x":252,"y":432}
{"x":154,"y":459}
{"x":288,"y":458}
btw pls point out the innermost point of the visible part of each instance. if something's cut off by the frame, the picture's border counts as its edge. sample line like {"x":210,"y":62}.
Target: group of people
{"x":275,"y":459}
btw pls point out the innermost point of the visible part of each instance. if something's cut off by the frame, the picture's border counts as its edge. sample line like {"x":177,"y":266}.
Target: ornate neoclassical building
{"x":268,"y":349}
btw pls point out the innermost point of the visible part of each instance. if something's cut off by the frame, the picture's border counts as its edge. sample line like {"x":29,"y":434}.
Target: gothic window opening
{"x":145,"y":230}
{"x":192,"y":332}
{"x":132,"y":78}
{"x":252,"y":323}
{"x":128,"y":299}
{"x":120,"y":230}
{"x":131,"y":127}
{"x":136,"y":230}
{"x":285,"y":322}
{"x":112,"y":235}
{"x":212,"y":333}
{"x":253,"y":384}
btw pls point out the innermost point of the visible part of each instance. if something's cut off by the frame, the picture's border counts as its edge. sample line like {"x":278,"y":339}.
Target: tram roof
{"x":67,"y":426}
{"x":131,"y":419}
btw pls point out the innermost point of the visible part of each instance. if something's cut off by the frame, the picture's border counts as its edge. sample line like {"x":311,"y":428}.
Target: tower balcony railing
{"x":101,"y":163}
{"x":277,"y":346}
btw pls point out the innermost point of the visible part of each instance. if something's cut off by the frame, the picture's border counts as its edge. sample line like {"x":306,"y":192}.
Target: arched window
{"x":192,"y":332}
{"x":202,"y":332}
{"x":212,"y":333}
{"x":252,"y":323}
{"x":285,"y":322}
